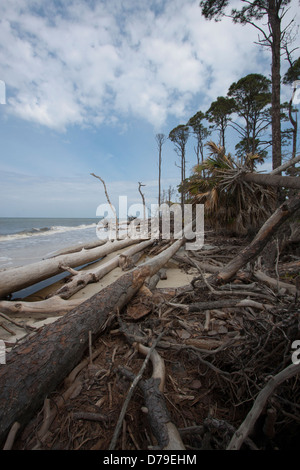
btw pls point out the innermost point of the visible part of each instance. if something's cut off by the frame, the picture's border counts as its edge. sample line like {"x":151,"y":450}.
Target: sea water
{"x":27,"y":240}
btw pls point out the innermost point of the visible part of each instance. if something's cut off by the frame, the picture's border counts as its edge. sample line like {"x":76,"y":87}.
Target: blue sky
{"x":90,"y":83}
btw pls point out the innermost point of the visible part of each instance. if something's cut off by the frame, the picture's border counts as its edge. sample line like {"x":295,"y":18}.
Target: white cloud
{"x":88,"y":62}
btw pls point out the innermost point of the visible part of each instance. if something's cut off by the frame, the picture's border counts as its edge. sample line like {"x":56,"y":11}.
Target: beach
{"x":26,"y":240}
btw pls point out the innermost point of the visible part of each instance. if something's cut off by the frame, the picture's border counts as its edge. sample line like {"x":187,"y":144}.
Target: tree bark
{"x":35,"y":368}
{"x":272,"y":180}
{"x":247,"y":426}
{"x":274,"y":21}
{"x":258,"y":243}
{"x":286,"y":165}
{"x":84,"y":277}
{"x":14,"y":279}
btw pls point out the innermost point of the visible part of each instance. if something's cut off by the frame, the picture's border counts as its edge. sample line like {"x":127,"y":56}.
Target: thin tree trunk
{"x":109,"y":202}
{"x":275,"y":25}
{"x":285,"y":166}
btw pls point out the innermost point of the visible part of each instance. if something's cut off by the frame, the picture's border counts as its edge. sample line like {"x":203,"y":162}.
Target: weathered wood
{"x":272,"y":180}
{"x":82,"y":278}
{"x":76,"y":248}
{"x":36,"y":367}
{"x":55,"y":306}
{"x":274,"y":283}
{"x":258,"y":243}
{"x":14,"y":279}
{"x":285,"y":166}
{"x":247,"y":425}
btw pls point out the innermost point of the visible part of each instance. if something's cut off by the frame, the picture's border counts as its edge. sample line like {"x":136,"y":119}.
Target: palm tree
{"x":229,"y":201}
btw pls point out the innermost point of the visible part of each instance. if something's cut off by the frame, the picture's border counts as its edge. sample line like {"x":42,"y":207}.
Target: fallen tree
{"x":81,"y":278}
{"x":35,"y":368}
{"x":251,"y":251}
{"x":55,"y":306}
{"x":14,"y":279}
{"x":272,"y":180}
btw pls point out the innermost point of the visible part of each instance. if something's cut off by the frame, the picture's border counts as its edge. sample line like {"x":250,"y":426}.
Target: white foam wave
{"x":44,"y":232}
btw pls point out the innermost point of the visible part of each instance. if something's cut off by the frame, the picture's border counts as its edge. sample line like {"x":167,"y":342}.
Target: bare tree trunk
{"x":259,"y":242}
{"x":275,"y":28}
{"x":285,"y":166}
{"x":273,"y":180}
{"x":160,"y":139}
{"x":82,"y":278}
{"x":109,"y":202}
{"x":143,"y":225}
{"x":38,"y":366}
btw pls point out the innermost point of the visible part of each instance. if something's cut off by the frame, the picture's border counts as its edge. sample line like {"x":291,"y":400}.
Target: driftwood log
{"x":35,"y":368}
{"x":81,"y":278}
{"x":247,"y":425}
{"x":14,"y":279}
{"x":286,"y":210}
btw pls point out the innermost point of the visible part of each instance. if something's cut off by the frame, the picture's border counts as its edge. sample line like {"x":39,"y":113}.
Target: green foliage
{"x":219,"y":114}
{"x":179,"y":136}
{"x":251,"y":95}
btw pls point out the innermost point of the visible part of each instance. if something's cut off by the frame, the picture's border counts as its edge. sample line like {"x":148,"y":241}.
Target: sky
{"x":88,"y":85}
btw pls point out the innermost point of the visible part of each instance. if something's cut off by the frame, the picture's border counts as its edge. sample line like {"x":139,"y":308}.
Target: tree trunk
{"x":14,"y":279}
{"x":75,"y":249}
{"x":35,"y":368}
{"x":272,"y":180}
{"x":285,"y":166}
{"x":259,"y":242}
{"x":55,"y":306}
{"x":275,"y":26}
{"x":82,"y":278}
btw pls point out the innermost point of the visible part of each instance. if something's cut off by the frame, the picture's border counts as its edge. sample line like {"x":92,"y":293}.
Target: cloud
{"x":35,"y":196}
{"x":85,"y":63}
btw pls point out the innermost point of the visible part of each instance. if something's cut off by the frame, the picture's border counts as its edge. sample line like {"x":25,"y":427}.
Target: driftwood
{"x":163,"y":428}
{"x":82,"y":278}
{"x":55,"y":306}
{"x":14,"y":279}
{"x":36,"y":367}
{"x":246,"y":427}
{"x":275,"y":180}
{"x":75,"y":249}
{"x":269,"y":228}
{"x":274,"y":283}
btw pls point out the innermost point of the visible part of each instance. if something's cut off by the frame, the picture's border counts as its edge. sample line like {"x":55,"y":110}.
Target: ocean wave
{"x":36,"y":232}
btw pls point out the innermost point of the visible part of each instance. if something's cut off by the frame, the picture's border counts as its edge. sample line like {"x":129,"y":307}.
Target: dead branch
{"x":109,"y":202}
{"x":11,"y":436}
{"x":247,"y":425}
{"x":274,"y":283}
{"x":130,"y":393}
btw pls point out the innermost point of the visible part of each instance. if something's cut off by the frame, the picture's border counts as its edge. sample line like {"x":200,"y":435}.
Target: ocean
{"x":27,"y":240}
